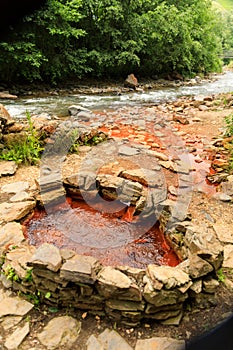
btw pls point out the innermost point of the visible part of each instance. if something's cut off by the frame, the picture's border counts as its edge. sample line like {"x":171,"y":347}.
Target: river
{"x":58,"y":105}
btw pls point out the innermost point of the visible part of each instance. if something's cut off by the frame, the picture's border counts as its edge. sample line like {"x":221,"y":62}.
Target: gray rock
{"x":112,"y":340}
{"x":94,"y":343}
{"x":7,"y":168}
{"x":198,"y":267}
{"x":60,"y":331}
{"x":47,"y":255}
{"x":75,"y":109}
{"x":15,"y":339}
{"x":162,"y":343}
{"x":128,"y":151}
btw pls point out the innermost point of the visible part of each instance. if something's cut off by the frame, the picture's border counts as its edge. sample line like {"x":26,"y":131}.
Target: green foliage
{"x":11,"y":274}
{"x":229,"y":133}
{"x":70,"y":39}
{"x":26,"y":150}
{"x":28,"y":277}
{"x":221,"y":276}
{"x":229,"y":124}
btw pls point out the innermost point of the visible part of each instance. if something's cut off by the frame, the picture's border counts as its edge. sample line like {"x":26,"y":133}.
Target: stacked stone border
{"x":125,"y":294}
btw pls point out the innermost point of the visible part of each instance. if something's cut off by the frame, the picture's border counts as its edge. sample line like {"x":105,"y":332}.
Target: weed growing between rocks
{"x":229,"y":134}
{"x":26,"y":150}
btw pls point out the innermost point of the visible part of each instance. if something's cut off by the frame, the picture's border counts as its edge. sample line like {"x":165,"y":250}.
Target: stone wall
{"x":125,"y":294}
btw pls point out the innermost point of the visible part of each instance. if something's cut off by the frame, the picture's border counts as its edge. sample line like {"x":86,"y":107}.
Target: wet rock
{"x":80,"y":268}
{"x":162,"y":343}
{"x":15,"y":339}
{"x":47,"y":255}
{"x":10,"y":234}
{"x":15,"y":187}
{"x":60,"y":331}
{"x":75,"y":109}
{"x":7,"y":168}
{"x":15,"y":211}
{"x":14,"y":306}
{"x":131,"y":81}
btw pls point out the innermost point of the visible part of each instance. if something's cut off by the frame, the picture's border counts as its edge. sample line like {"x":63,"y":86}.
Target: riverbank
{"x":94,"y":86}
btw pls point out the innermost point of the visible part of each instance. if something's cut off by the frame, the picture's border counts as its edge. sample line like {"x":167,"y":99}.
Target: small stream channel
{"x":58,"y":105}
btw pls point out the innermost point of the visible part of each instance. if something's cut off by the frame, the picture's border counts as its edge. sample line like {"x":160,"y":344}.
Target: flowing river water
{"x":58,"y":105}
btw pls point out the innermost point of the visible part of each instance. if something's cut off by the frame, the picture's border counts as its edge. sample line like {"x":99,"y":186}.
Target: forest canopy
{"x":74,"y":39}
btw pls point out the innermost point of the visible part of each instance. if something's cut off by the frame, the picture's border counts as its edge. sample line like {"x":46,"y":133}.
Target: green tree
{"x":111,"y":38}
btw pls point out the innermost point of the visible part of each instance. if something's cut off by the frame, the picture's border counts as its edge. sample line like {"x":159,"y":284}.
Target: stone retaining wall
{"x":125,"y":294}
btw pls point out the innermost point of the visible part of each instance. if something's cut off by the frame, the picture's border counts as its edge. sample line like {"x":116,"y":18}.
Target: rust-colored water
{"x":111,"y":238}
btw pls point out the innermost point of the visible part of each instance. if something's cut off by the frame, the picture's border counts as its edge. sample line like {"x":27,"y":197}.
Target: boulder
{"x":131,"y":81}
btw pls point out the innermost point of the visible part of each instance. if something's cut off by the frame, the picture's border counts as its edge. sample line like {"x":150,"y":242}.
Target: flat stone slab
{"x":7,"y":168}
{"x":128,"y":151}
{"x":162,"y":343}
{"x":80,"y":268}
{"x":14,"y":306}
{"x":60,"y":331}
{"x":108,"y":339}
{"x":224,"y":232}
{"x":169,"y":276}
{"x":16,"y":338}
{"x":15,"y":211}
{"x":110,"y":276}
{"x":15,"y":187}
{"x":11,"y":233}
{"x":47,"y":255}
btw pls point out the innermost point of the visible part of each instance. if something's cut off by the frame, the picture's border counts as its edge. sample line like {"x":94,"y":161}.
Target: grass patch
{"x":26,"y":149}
